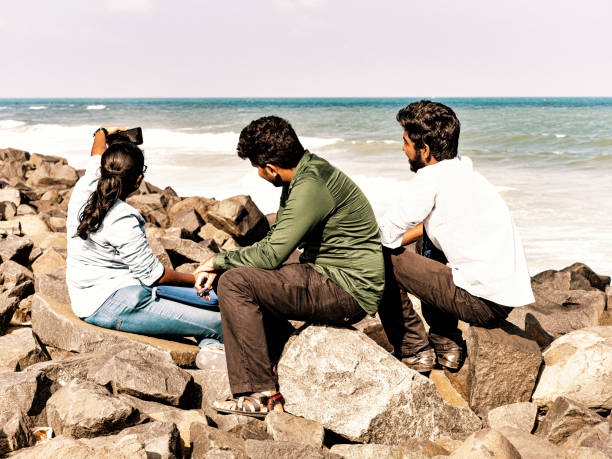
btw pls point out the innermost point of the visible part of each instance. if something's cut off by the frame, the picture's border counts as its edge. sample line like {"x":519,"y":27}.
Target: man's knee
{"x":233,"y":281}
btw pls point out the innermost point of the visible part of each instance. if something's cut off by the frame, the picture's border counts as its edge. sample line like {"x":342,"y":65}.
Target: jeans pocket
{"x":105,"y":320}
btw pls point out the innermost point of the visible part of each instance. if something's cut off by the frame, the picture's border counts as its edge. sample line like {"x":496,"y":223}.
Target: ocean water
{"x":549,"y":158}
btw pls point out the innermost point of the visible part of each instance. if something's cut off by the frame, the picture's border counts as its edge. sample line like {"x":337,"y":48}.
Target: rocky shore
{"x":540,"y":387}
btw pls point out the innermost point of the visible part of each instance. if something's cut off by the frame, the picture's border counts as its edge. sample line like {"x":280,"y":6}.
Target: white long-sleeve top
{"x":465,"y":217}
{"x":116,"y":256}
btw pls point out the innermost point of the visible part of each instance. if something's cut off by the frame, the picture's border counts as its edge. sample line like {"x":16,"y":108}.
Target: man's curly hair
{"x":434,"y":124}
{"x":270,"y":140}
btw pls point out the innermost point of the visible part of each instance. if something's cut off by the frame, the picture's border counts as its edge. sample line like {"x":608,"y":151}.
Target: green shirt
{"x":323,"y":212}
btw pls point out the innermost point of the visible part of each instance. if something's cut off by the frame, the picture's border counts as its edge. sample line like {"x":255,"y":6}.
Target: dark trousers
{"x":442,"y":302}
{"x":255,"y":307}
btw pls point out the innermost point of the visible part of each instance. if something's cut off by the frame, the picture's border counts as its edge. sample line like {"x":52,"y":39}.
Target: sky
{"x":305,"y":48}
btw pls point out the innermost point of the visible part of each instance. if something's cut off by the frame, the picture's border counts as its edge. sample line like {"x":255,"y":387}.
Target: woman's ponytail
{"x":121,"y":165}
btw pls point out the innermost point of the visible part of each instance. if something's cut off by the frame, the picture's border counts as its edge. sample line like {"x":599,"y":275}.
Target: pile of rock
{"x":539,"y":387}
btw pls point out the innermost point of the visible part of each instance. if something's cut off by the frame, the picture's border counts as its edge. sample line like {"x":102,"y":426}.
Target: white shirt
{"x":116,"y":256}
{"x":465,"y":217}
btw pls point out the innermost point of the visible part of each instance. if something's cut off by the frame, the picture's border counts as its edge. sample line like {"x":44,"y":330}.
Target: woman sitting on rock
{"x":110,"y":267}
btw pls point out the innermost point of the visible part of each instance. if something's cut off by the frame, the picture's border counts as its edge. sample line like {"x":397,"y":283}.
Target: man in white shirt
{"x":473,"y":268}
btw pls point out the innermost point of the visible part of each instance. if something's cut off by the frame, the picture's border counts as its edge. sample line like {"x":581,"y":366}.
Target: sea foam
{"x":96,"y":107}
{"x":38,"y":107}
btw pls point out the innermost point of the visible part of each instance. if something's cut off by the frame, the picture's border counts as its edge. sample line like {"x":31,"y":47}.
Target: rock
{"x":486,"y":444}
{"x":31,"y":225}
{"x":520,"y":415}
{"x":48,"y":240}
{"x":174,"y":232}
{"x":557,"y":312}
{"x":13,"y":154}
{"x":14,"y":432}
{"x":585,"y":453}
{"x":363,"y":393}
{"x":575,"y":277}
{"x":19,"y":349}
{"x":55,"y":324}
{"x":53,"y":174}
{"x":84,"y":409}
{"x":189,"y":222}
{"x":57,"y":224}
{"x":25,"y":209}
{"x":15,"y":248}
{"x":23,"y":392}
{"x":564,"y":418}
{"x":374,"y":451}
{"x":183,"y":251}
{"x":200,"y":205}
{"x":446,"y":389}
{"x":158,"y":250}
{"x":503,"y":367}
{"x":8,"y":305}
{"x":578,"y":366}
{"x":530,"y":446}
{"x":9,"y":194}
{"x":286,"y":427}
{"x":188,"y":268}
{"x":12,"y":273}
{"x":239,"y":217}
{"x":12,"y":169}
{"x":36,"y":160}
{"x":7,"y":210}
{"x":140,"y":373}
{"x":49,"y":262}
{"x":10,"y":228}
{"x":210,"y":442}
{"x":253,"y":430}
{"x":209,"y":231}
{"x":597,"y":436}
{"x":230,"y":245}
{"x":427,"y":447}
{"x":152,"y":208}
{"x":257,"y":449}
{"x":52,"y":286}
{"x":373,"y":328}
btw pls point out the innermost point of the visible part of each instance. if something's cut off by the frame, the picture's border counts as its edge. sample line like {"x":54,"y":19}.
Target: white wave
{"x":96,"y":107}
{"x":4,"y":107}
{"x":560,"y":136}
{"x":38,"y":107}
{"x":557,"y":153}
{"x":11,"y":124}
{"x":312,"y":143}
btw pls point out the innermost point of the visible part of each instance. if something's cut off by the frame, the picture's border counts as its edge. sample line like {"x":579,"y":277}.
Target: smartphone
{"x":133,"y":135}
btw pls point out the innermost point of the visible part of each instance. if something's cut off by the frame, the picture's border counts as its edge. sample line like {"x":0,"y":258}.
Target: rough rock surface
{"x":564,"y":418}
{"x":285,"y":427}
{"x":19,"y":349}
{"x":578,"y":366}
{"x":239,"y":217}
{"x":8,"y":305}
{"x":503,"y":367}
{"x":447,"y":391}
{"x":597,"y":436}
{"x":575,"y":277}
{"x":56,"y":325}
{"x":52,"y":286}
{"x":486,"y":444}
{"x":189,"y":222}
{"x":84,"y":409}
{"x":531,"y":446}
{"x":374,"y":451}
{"x":14,"y":432}
{"x":210,"y":442}
{"x":364,"y":394}
{"x":15,"y":248}
{"x":258,"y":449}
{"x":183,"y":251}
{"x":49,"y":262}
{"x":520,"y":415}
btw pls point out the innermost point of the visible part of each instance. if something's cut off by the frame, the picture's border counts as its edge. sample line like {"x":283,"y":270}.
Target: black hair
{"x":270,"y":140}
{"x":121,"y":165}
{"x":434,"y":124}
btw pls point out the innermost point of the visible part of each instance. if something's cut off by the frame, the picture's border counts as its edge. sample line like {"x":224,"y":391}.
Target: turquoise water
{"x":549,"y":157}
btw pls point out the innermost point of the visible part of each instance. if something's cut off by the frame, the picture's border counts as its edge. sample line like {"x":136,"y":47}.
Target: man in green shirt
{"x":340,"y":277}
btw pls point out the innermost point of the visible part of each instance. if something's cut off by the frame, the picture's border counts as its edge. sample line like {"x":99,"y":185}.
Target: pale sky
{"x":305,"y":48}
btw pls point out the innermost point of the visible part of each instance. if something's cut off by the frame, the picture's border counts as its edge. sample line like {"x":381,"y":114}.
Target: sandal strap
{"x":274,"y":400}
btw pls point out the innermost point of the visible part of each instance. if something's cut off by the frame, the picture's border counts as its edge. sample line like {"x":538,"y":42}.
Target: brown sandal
{"x":256,"y":405}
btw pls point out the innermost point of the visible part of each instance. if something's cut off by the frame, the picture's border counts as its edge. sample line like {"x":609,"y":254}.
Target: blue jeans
{"x":134,"y":309}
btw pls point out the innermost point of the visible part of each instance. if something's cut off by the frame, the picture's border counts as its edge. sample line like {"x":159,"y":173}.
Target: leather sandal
{"x":256,"y":405}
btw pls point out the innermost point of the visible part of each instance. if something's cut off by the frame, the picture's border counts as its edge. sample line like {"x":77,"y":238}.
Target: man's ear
{"x":426,"y":154}
{"x":272,"y":168}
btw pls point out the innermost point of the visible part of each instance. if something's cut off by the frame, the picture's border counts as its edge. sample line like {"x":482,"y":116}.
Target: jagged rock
{"x":14,"y":432}
{"x":8,"y":305}
{"x":14,"y":154}
{"x":258,"y":449}
{"x":158,"y":250}
{"x":48,"y":240}
{"x":564,"y":418}
{"x":31,"y":225}
{"x":52,"y":286}
{"x":530,"y":446}
{"x":209,"y":231}
{"x":210,"y":442}
{"x":49,"y":262}
{"x":286,"y":427}
{"x":10,"y":228}
{"x":239,"y":217}
{"x":19,"y":349}
{"x":12,"y":169}
{"x":34,"y":254}
{"x":183,"y":419}
{"x":427,"y":447}
{"x":23,"y":312}
{"x":486,"y":444}
{"x":363,"y":393}
{"x":230,"y":245}
{"x":11,"y":195}
{"x":578,"y":366}
{"x":57,"y":224}
{"x":449,"y":444}
{"x":585,"y":453}
{"x":189,"y":223}
{"x":7,"y":210}
{"x":209,"y":244}
{"x":447,"y":391}
{"x":199,"y":204}
{"x":520,"y":415}
{"x":374,"y":451}
{"x":152,"y":207}
{"x":25,"y":209}
{"x":13,"y":273}
{"x":56,"y":325}
{"x":503,"y":367}
{"x":23,"y":392}
{"x":183,"y":251}
{"x":36,"y":160}
{"x":84,"y":409}
{"x":174,"y":232}
{"x":142,"y":374}
{"x":15,"y":248}
{"x":597,"y":436}
{"x":53,"y":174}
{"x":575,"y":277}
{"x":254,"y":430}
{"x":557,"y":312}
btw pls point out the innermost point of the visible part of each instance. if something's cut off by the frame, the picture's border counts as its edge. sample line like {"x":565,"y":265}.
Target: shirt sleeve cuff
{"x":221,"y":261}
{"x":156,"y":273}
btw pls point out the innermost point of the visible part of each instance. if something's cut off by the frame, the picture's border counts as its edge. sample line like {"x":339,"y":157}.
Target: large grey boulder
{"x":208,"y":442}
{"x":578,"y":366}
{"x":286,"y":427}
{"x":592,"y":436}
{"x":84,"y":409}
{"x":265,"y":449}
{"x":19,"y":349}
{"x":12,"y":273}
{"x":189,"y":223}
{"x":531,"y":446}
{"x":363,"y":393}
{"x":375,"y":451}
{"x":15,"y":248}
{"x":521,"y":415}
{"x":564,"y":418}
{"x":56,"y":325}
{"x":486,"y":444}
{"x":53,"y":174}
{"x":183,"y":251}
{"x":8,"y":305}
{"x":503,"y":367}
{"x":575,"y":277}
{"x":52,"y":286}
{"x":239,"y":217}
{"x":14,"y":432}
{"x":152,"y":207}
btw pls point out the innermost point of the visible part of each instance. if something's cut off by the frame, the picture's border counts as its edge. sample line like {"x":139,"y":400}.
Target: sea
{"x":549,"y":158}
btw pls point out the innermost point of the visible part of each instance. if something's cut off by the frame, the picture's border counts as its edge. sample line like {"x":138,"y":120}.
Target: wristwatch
{"x":101,"y":129}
